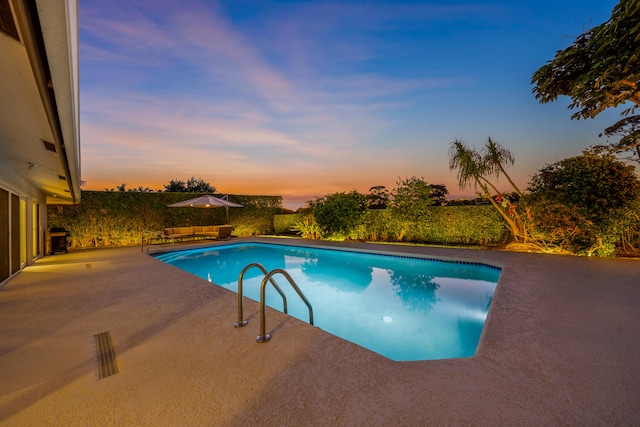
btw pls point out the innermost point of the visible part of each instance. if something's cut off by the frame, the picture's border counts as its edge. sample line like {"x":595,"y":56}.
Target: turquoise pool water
{"x":404,"y":308}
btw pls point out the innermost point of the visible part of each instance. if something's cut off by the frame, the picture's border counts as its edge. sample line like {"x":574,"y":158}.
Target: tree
{"x":199,"y":186}
{"x":122,"y":188}
{"x":439,"y":194}
{"x":340,"y":212}
{"x":192,"y":185}
{"x":495,"y":157}
{"x":175,"y":186}
{"x":378,"y":197}
{"x":628,"y":129}
{"x":601,"y":69}
{"x":411,"y":198}
{"x":585,"y":203}
{"x":596,"y":184}
{"x":475,"y":169}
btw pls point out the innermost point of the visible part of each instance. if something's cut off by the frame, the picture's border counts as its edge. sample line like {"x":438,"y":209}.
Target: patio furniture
{"x":199,"y":232}
{"x":172,"y":235}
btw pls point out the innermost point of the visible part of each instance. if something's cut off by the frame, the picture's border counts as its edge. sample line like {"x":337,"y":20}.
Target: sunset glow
{"x":303,"y":99}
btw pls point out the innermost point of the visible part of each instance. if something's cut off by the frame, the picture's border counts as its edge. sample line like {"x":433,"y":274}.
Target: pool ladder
{"x":268,"y":278}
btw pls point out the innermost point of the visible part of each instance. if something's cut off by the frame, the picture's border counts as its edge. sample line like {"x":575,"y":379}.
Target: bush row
{"x":477,"y":225}
{"x":104,"y":218}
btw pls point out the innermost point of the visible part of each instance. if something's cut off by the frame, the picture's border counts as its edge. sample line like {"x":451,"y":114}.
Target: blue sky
{"x":307,"y":98}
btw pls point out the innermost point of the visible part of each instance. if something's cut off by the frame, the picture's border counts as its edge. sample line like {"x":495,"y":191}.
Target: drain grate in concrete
{"x":107,"y":361}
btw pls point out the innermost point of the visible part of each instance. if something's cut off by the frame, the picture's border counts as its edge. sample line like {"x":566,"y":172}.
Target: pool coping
{"x":414,"y":251}
{"x":560,"y":346}
{"x":354,"y":250}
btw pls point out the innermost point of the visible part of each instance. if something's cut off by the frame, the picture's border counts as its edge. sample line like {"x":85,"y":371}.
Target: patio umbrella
{"x":207,"y":201}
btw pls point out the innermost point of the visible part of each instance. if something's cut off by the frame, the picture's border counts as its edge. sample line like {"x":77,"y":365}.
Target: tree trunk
{"x":512,"y":224}
{"x":510,"y":181}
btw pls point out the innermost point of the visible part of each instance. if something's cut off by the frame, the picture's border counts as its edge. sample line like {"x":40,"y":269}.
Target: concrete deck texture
{"x":561,"y":346}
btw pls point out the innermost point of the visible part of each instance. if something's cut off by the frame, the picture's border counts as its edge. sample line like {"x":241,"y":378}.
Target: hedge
{"x":106,"y":218}
{"x":282,"y":224}
{"x":478,"y":225}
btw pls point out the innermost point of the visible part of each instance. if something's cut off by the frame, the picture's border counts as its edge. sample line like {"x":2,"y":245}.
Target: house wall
{"x":39,"y":128}
{"x":22,"y":223}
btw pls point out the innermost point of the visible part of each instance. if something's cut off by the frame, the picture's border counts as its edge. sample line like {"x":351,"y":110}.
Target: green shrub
{"x":377,"y":226}
{"x":340,"y":212}
{"x":585,"y":204}
{"x":628,"y":243}
{"x":283,"y":224}
{"x":479,"y":225}
{"x":457,"y":225}
{"x":307,"y":227}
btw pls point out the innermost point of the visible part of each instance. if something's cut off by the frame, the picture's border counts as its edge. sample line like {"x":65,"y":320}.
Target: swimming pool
{"x":402,"y":307}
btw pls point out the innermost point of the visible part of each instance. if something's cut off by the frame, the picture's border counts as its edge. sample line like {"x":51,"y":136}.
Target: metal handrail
{"x":264,"y":337}
{"x":241,"y":322}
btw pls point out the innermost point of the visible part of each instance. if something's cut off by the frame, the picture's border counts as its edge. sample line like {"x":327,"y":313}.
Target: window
{"x":5,"y":258}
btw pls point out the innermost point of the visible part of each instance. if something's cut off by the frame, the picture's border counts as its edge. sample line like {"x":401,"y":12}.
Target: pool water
{"x":404,"y":308}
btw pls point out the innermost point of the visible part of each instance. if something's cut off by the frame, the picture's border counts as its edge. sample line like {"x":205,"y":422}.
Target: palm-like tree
{"x":473,"y":167}
{"x":495,"y":155}
{"x":467,"y":162}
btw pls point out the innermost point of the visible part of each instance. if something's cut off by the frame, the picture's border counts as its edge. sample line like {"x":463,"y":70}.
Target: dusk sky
{"x":307,"y":98}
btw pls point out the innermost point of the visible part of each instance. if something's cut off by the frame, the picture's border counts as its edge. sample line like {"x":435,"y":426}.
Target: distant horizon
{"x":292,"y":202}
{"x":305,"y":99}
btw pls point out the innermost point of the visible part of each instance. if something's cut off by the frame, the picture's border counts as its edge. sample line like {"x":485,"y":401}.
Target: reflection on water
{"x":470,"y":326}
{"x":347,"y":275}
{"x":402,"y":308}
{"x":416,"y":289}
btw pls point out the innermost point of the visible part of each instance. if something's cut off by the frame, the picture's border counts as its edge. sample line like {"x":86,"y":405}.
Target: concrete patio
{"x":561,"y":346}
